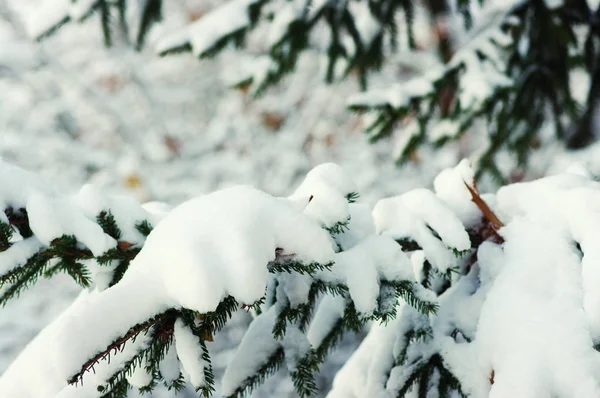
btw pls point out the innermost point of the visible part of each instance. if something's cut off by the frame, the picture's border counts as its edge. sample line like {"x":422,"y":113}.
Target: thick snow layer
{"x":365,"y":373}
{"x":18,"y":185}
{"x":362,"y":267}
{"x":360,"y":226}
{"x":330,"y":310}
{"x":449,"y":186}
{"x":169,"y":366}
{"x":126,"y":210}
{"x":257,"y":345}
{"x":567,"y":202}
{"x":51,"y":218}
{"x":190,"y":355}
{"x":215,"y":245}
{"x":414,"y":215}
{"x":533,"y":332}
{"x":323,"y":194}
{"x":241,"y":228}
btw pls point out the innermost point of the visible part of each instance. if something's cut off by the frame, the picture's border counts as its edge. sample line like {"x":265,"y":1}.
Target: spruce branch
{"x":165,"y":318}
{"x":267,"y":369}
{"x":107,"y":222}
{"x":144,"y":227}
{"x":303,"y":376}
{"x":6,"y":234}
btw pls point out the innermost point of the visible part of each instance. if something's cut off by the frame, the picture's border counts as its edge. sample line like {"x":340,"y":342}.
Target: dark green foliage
{"x":352,"y":197}
{"x":269,"y":368}
{"x":151,"y":14}
{"x":63,"y":255}
{"x":18,"y":218}
{"x":415,"y":334}
{"x":144,"y":227}
{"x":216,"y":320}
{"x":6,"y":234}
{"x":339,"y":227}
{"x":408,"y":291}
{"x":289,"y":265}
{"x":104,"y":10}
{"x":106,"y":220}
{"x":160,"y":328}
{"x":421,"y":379}
{"x":303,"y":376}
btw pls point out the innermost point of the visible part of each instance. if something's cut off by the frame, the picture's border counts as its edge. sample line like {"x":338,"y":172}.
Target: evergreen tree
{"x":506,"y":67}
{"x":462,"y":294}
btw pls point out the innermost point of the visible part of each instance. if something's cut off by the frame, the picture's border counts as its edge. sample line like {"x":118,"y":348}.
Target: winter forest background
{"x":168,"y":128}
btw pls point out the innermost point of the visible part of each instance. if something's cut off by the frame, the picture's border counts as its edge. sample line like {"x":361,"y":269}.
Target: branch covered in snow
{"x":500,"y":67}
{"x":461,"y":293}
{"x":205,"y":259}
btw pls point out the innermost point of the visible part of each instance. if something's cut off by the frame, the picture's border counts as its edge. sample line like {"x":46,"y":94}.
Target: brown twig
{"x":489,"y":215}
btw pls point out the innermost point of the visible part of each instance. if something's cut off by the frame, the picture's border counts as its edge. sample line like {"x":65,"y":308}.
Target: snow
{"x":330,"y":310}
{"x":296,"y":288}
{"x":50,"y":13}
{"x":140,"y":377}
{"x":18,"y":185}
{"x":204,"y":34}
{"x":533,"y":315}
{"x":397,"y":96}
{"x":51,"y":218}
{"x":257,"y":345}
{"x":18,"y":254}
{"x":323,"y":193}
{"x":236,"y":148}
{"x":410,"y":215}
{"x":126,"y":210}
{"x":362,"y":267}
{"x":295,"y":346}
{"x":242,"y":227}
{"x":169,"y":366}
{"x":360,"y":226}
{"x":363,"y":375}
{"x":80,"y":8}
{"x":443,"y":129}
{"x":367,"y":26}
{"x":190,"y":354}
{"x":449,"y":187}
{"x":290,"y":12}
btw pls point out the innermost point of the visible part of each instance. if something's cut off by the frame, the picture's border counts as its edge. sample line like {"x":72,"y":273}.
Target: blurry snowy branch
{"x":496,"y":69}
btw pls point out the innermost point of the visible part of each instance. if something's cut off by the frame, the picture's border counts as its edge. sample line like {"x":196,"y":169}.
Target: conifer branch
{"x":118,"y":345}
